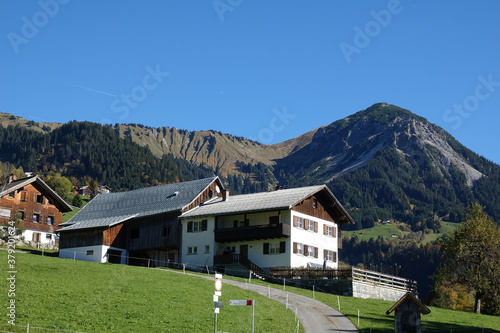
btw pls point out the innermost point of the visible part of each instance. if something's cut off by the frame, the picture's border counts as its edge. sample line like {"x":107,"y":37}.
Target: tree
{"x":472,"y":255}
{"x":61,"y":185}
{"x":77,"y":200}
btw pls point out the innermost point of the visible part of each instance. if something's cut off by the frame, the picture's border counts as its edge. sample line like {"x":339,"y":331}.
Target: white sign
{"x":240,"y":302}
{"x":4,"y":212}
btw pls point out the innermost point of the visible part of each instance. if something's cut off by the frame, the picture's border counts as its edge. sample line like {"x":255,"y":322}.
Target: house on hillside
{"x":298,"y":227}
{"x":142,"y":223}
{"x":39,"y":208}
{"x":197,"y":222}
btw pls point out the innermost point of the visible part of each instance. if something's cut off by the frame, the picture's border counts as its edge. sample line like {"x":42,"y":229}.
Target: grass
{"x":64,"y":295}
{"x":388,"y":230}
{"x":373,"y":317}
{"x":384,"y":230}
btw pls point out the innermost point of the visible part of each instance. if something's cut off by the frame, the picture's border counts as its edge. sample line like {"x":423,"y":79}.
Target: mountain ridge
{"x":385,"y":162}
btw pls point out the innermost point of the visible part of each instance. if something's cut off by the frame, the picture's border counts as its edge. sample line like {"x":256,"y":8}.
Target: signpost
{"x":217,"y":304}
{"x":246,"y":302}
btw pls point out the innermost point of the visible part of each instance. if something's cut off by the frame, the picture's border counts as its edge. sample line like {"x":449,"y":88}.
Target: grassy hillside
{"x":392,"y":231}
{"x":75,"y":296}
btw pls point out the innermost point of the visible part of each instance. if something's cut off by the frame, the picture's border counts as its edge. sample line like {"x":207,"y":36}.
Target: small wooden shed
{"x":407,"y":314}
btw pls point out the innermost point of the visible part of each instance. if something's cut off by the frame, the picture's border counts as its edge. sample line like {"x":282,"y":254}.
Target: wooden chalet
{"x":121,"y":227}
{"x":39,"y":208}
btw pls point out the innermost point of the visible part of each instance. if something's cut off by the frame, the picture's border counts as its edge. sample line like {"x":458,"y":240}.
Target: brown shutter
{"x":325,"y":254}
{"x":315,"y":226}
{"x":295,"y":223}
{"x":266,"y":248}
{"x":315,"y":252}
{"x":335,"y":256}
{"x":294,"y":247}
{"x":334,"y":232}
{"x":282,"y":247}
{"x":325,"y":229}
{"x":306,"y":250}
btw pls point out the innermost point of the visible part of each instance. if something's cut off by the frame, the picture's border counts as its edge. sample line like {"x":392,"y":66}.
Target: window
{"x":197,"y":226}
{"x":207,"y":248}
{"x":310,"y":251}
{"x":298,"y":248}
{"x":275,"y":248}
{"x":167,"y":231}
{"x":24,"y":196}
{"x":22,"y":215}
{"x":329,"y":230}
{"x":135,"y":233}
{"x":192,"y":250}
{"x":315,"y":203}
{"x":330,"y":255}
{"x":90,"y":252}
{"x":48,"y":236}
{"x":300,"y":222}
{"x":36,"y":218}
{"x":39,"y":198}
{"x":12,"y":194}
{"x":50,"y":220}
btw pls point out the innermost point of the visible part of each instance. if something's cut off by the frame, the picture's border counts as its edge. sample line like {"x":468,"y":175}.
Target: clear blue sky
{"x":265,"y":70}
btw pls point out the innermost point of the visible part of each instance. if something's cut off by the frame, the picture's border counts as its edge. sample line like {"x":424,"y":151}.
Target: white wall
{"x":96,"y":253}
{"x":316,"y":239}
{"x":256,"y":252}
{"x":200,"y":239}
{"x":28,"y":236}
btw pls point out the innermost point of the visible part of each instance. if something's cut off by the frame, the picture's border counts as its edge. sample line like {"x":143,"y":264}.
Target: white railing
{"x":385,"y":280}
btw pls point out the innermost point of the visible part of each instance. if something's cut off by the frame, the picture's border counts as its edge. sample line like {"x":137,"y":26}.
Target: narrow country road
{"x":314,"y":316}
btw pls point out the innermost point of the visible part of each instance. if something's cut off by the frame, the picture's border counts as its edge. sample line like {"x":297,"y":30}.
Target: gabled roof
{"x":409,"y":297}
{"x":39,"y":184}
{"x":265,"y":201}
{"x":108,"y":209}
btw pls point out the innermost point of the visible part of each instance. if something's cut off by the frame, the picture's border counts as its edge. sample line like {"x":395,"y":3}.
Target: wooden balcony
{"x":265,"y":231}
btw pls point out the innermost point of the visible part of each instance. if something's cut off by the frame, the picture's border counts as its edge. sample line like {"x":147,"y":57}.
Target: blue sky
{"x":265,"y":70}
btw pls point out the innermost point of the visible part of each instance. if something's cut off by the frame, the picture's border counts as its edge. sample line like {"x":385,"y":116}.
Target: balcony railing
{"x":265,"y":231}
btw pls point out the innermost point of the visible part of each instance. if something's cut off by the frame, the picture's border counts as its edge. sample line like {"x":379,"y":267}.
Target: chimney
{"x":225,"y":195}
{"x":12,"y":177}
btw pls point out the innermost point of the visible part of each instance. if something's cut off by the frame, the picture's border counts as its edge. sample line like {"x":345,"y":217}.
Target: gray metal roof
{"x":108,"y":209}
{"x":280,"y":199}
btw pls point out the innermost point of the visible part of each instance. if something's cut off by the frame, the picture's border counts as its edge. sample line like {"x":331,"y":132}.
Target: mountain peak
{"x":384,"y":113}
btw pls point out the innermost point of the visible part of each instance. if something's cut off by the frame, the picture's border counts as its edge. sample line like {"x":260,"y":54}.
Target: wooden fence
{"x":385,"y":280}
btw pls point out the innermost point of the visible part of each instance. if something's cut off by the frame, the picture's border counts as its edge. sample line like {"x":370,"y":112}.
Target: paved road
{"x":314,"y":316}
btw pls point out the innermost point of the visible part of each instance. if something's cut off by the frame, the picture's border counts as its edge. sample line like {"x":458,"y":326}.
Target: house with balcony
{"x":133,"y":226}
{"x":298,"y":227}
{"x":38,"y":208}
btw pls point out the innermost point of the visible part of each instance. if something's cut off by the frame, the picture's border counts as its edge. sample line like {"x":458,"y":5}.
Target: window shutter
{"x":315,"y":226}
{"x":335,"y":256}
{"x":294,"y":247}
{"x":315,"y":252}
{"x":306,"y":224}
{"x":325,"y":229}
{"x":306,"y":250}
{"x":295,"y":223}
{"x":282,"y":247}
{"x":325,"y":254}
{"x":266,"y":248}
{"x":334,"y":232}
{"x":204,"y":225}
{"x":190,"y":226}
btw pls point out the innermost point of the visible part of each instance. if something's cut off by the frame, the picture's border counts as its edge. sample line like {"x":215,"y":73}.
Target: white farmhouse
{"x":297,"y":227}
